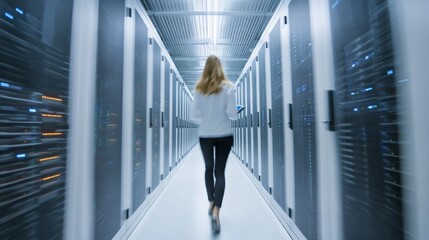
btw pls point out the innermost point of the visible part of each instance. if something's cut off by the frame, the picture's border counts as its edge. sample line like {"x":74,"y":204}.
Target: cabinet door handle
{"x":162,"y":119}
{"x":269,"y":118}
{"x":331,"y":112}
{"x":150,"y":118}
{"x":290,"y":116}
{"x":259,"y":119}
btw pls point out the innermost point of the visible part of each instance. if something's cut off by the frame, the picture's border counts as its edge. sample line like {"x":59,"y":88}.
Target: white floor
{"x":180,"y":212}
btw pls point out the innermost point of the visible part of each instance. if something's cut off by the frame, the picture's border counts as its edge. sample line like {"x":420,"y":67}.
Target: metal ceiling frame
{"x":191,"y":30}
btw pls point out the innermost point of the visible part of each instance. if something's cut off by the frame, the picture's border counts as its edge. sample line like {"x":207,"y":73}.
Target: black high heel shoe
{"x":215,"y":224}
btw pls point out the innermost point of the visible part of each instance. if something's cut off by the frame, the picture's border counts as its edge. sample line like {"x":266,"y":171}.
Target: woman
{"x":213,"y":109}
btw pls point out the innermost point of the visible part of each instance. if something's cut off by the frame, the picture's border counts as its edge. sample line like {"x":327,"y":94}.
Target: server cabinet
{"x":179,"y":121}
{"x":303,"y":119}
{"x":249,"y":146}
{"x":174,"y":130}
{"x":165,"y":116}
{"x":34,"y":98}
{"x":139,"y":118}
{"x":367,"y":115}
{"x":156,"y":114}
{"x":277,"y":117}
{"x":187,"y":123}
{"x":108,"y":118}
{"x":237,"y":124}
{"x":264,"y":120}
{"x":255,"y":121}
{"x":242,"y":124}
{"x":184,"y":127}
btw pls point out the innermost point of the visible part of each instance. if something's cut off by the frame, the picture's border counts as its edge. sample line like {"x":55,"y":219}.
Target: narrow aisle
{"x":180,"y":212}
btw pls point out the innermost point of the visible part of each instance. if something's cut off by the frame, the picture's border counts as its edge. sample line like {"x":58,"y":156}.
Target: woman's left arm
{"x":231,"y":110}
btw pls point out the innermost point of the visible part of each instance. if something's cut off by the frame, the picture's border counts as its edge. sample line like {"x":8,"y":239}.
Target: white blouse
{"x":213,"y":113}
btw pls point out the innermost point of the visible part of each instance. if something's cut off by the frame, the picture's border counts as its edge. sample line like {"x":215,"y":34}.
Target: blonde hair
{"x":212,"y":78}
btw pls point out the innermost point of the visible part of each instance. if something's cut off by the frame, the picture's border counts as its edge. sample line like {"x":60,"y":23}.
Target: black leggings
{"x":222,"y":147}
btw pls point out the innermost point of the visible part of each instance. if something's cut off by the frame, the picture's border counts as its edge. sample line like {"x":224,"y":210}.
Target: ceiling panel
{"x":194,"y":29}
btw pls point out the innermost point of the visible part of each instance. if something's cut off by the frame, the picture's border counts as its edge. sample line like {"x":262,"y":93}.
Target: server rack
{"x":249,"y":146}
{"x":34,"y":97}
{"x":180,"y":101}
{"x":140,"y":118}
{"x":236,"y":146}
{"x":303,"y":119}
{"x":156,"y":114}
{"x":367,"y":114}
{"x":174,"y":119}
{"x":276,"y":115}
{"x":179,"y":123}
{"x":185,"y":122}
{"x":243,"y":125}
{"x":108,"y":119}
{"x":235,"y":124}
{"x":244,"y":130}
{"x":234,"y":133}
{"x":165,"y":116}
{"x":264,"y":117}
{"x":188,"y":101}
{"x":255,"y":121}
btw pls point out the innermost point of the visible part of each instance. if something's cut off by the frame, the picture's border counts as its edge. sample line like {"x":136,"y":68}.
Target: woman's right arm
{"x":231,"y":110}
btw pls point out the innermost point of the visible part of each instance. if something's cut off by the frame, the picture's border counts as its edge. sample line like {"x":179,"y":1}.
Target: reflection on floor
{"x":180,"y":212}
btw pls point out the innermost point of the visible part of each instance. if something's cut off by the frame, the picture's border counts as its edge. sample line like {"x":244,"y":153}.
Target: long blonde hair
{"x":212,"y":78}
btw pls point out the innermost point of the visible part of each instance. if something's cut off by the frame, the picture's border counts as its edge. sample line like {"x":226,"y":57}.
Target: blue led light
{"x":20,"y":155}
{"x":356,"y":109}
{"x":368,"y":89}
{"x":353,"y":93}
{"x":3,"y":84}
{"x":390,"y":72}
{"x":19,"y":10}
{"x":367,"y":57}
{"x":8,"y":15}
{"x":372,"y":107}
{"x":353,"y":65}
{"x":33,"y":110}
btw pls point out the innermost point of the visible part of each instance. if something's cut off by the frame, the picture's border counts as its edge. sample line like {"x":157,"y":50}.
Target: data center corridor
{"x":97,"y":141}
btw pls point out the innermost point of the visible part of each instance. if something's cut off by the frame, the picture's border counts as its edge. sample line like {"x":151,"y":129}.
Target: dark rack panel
{"x":239,"y":138}
{"x":303,"y":119}
{"x":108,"y":119}
{"x":245,"y":116}
{"x":174,"y":156}
{"x":264,"y":119}
{"x":367,"y":116}
{"x":166,"y":118}
{"x":249,"y":152}
{"x":179,"y":121}
{"x":243,"y":124}
{"x":140,"y":118}
{"x":277,"y":117}
{"x":34,"y":80}
{"x":156,"y":117}
{"x":255,"y":121}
